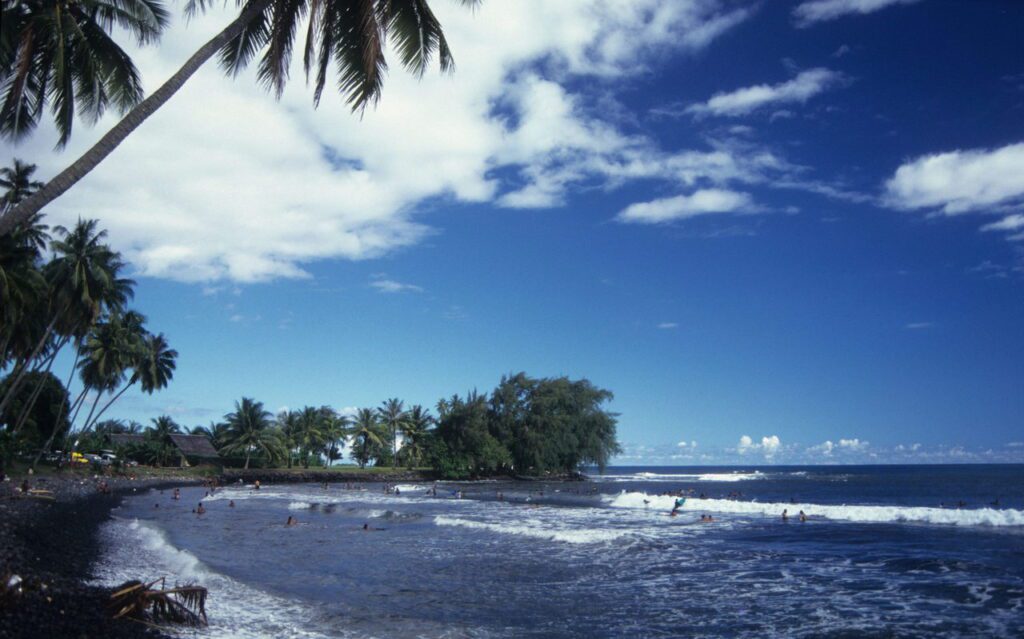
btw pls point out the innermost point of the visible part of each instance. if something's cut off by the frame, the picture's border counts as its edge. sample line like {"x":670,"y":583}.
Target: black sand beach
{"x":51,"y":548}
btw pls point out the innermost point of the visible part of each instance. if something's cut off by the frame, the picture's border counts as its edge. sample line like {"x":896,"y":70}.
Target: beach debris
{"x":184,"y":605}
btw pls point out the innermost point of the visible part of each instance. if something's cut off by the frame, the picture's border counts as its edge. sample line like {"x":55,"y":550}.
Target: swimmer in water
{"x":803,"y":517}
{"x":231,"y":504}
{"x":785,"y":514}
{"x":256,"y":485}
{"x":200,"y":510}
{"x":291,"y":521}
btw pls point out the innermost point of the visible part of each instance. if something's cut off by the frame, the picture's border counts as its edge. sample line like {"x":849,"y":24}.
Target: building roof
{"x":127,"y":439}
{"x":194,"y":445}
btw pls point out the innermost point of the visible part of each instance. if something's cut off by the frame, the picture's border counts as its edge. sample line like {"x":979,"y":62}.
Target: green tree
{"x":349,"y":33}
{"x":462,"y":445}
{"x":367,"y":438}
{"x":394,"y":418}
{"x":159,"y":435}
{"x":42,"y":418}
{"x":415,"y":436}
{"x":250,"y":429}
{"x":17,"y":183}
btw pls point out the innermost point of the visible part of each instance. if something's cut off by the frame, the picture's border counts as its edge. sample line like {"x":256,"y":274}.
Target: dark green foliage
{"x":528,"y":426}
{"x":43,"y":418}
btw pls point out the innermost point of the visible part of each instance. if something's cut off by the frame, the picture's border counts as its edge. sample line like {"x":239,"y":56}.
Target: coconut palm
{"x":17,"y":183}
{"x":349,"y":33}
{"x":366,"y":436}
{"x":60,"y":54}
{"x":160,"y":434}
{"x":152,"y":362}
{"x":250,"y":429}
{"x":414,"y":435}
{"x":288,"y":424}
{"x":310,"y":434}
{"x":394,"y":418}
{"x":335,"y":432}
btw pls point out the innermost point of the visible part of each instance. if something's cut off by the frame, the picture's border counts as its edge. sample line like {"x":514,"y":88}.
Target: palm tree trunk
{"x":99,"y":394}
{"x":27,"y":408}
{"x":60,"y":413}
{"x":110,"y":141}
{"x":247,"y":453}
{"x":107,"y":405}
{"x":24,"y":369}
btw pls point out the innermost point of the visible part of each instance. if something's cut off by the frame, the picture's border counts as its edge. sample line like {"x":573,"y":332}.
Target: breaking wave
{"x":844,"y":512}
{"x":535,"y":530}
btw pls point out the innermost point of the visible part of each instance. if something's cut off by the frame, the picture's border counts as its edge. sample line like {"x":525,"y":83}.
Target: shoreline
{"x":52,"y":547}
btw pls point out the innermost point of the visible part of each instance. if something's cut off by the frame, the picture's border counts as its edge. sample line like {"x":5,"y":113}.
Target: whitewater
{"x":883,"y":547}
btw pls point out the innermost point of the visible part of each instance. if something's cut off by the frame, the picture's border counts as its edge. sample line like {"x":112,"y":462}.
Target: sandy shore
{"x":50,"y":547}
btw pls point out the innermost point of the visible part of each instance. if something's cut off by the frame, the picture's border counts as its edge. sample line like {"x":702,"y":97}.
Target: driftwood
{"x":181,"y":605}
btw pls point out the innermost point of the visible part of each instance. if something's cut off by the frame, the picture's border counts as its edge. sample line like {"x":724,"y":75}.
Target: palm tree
{"x":249,"y":428}
{"x":61,"y":53}
{"x":335,"y":432}
{"x":366,"y":436}
{"x":351,"y":33}
{"x":309,"y":437}
{"x":288,"y":423}
{"x":152,"y":362}
{"x":394,"y":418}
{"x":18,"y":184}
{"x":160,"y":434}
{"x":414,"y":439}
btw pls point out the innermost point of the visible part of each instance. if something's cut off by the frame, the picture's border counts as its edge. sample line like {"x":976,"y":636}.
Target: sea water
{"x":933,"y":551}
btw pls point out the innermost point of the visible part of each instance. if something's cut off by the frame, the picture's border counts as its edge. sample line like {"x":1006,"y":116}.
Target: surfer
{"x":679,"y":504}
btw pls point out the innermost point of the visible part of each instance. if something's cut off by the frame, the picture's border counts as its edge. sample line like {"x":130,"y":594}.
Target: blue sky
{"x":780,"y":231}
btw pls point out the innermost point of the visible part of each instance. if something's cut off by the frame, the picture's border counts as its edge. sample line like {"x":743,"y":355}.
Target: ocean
{"x":886,"y":551}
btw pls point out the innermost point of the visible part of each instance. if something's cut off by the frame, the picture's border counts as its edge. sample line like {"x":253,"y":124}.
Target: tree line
{"x":526,"y":426}
{"x":63,"y":290}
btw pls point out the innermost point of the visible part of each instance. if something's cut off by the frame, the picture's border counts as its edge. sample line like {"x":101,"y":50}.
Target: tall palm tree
{"x":310,"y":435}
{"x":414,"y":440}
{"x":160,"y":434}
{"x":288,"y":423}
{"x":366,"y":436}
{"x":17,"y":183}
{"x":335,"y":433}
{"x":152,"y":362}
{"x":250,"y":429}
{"x":61,"y":54}
{"x":394,"y":417}
{"x":351,"y":33}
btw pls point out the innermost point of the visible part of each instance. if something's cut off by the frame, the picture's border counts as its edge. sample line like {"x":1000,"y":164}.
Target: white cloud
{"x":821,"y":10}
{"x":825,"y":448}
{"x":1010,"y":223}
{"x":701,"y":202}
{"x":770,"y":445}
{"x":224,"y":183}
{"x":668,"y":325}
{"x":803,"y":87}
{"x":853,"y":444}
{"x":960,"y":181}
{"x":385,"y":285}
{"x":685,"y":444}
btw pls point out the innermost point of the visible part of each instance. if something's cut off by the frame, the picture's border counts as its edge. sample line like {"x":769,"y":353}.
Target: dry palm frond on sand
{"x":140,"y":601}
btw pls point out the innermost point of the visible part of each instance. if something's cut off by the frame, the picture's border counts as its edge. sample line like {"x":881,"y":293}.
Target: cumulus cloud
{"x":800,"y":89}
{"x":853,"y":444}
{"x":701,"y":202}
{"x":814,"y":11}
{"x":769,"y":445}
{"x":960,"y":181}
{"x":224,"y":183}
{"x":686,"y":444}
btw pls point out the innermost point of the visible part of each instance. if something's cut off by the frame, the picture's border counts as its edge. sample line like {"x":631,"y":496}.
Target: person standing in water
{"x":679,"y":504}
{"x":785,"y":514}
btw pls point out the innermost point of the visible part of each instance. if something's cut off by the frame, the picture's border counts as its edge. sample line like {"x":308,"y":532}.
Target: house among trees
{"x":186,"y":450}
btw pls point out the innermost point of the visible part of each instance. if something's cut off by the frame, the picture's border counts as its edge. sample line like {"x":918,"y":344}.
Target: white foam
{"x":235,"y":610}
{"x":537,"y":530}
{"x":843,"y":512}
{"x":680,"y":477}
